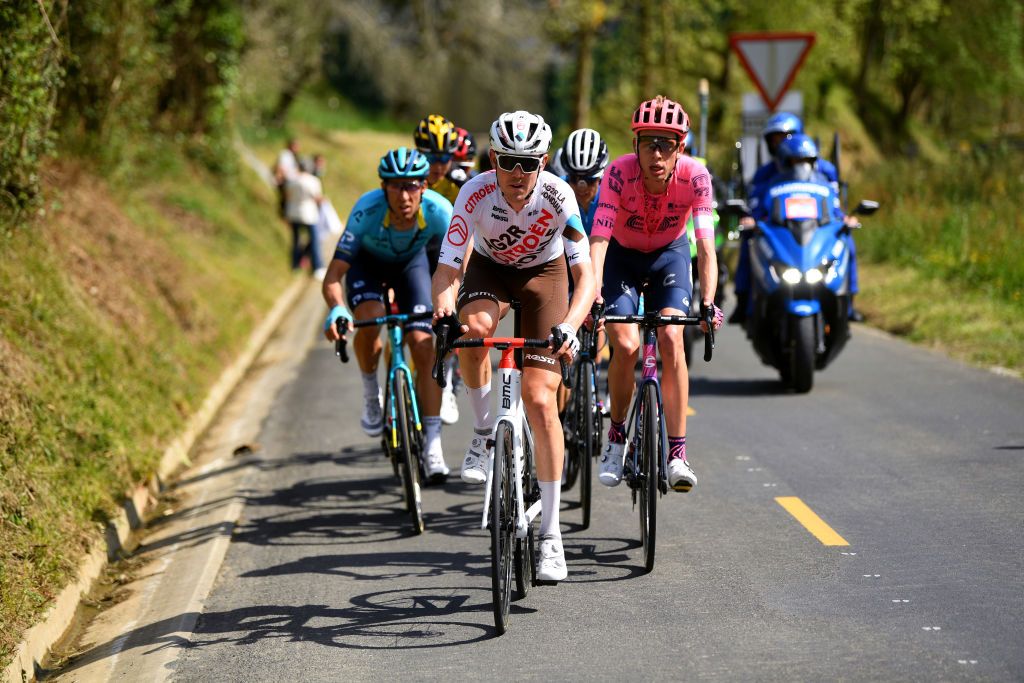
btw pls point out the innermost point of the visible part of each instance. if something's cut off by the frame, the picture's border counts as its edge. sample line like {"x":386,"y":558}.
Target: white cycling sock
{"x":550,"y":499}
{"x":483,"y":418}
{"x":371,"y":389}
{"x":432,"y":433}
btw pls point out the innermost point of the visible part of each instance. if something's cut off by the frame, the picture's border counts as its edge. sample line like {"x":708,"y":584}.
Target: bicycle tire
{"x":648,"y":468}
{"x":572,"y":428}
{"x":410,"y":469}
{"x":524,"y":554}
{"x":385,"y":434}
{"x":590,"y":434}
{"x":502,"y":526}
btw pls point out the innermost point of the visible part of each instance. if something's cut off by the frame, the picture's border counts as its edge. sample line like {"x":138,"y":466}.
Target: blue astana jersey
{"x":369,"y":228}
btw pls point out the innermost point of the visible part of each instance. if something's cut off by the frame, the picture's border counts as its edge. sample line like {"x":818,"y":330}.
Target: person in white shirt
{"x":285,"y":168}
{"x":303,"y":194}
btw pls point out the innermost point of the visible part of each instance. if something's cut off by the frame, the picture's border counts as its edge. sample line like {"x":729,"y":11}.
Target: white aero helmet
{"x":585,"y":153}
{"x":520,"y":132}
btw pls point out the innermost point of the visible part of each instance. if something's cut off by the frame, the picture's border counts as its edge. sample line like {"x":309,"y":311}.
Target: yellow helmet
{"x":436,"y":135}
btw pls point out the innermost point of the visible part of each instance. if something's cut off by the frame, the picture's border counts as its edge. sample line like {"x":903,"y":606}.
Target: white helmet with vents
{"x":585,"y":153}
{"x":520,"y":132}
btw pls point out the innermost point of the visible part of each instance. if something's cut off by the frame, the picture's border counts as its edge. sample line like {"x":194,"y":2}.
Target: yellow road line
{"x":811,"y":521}
{"x":690,"y":411}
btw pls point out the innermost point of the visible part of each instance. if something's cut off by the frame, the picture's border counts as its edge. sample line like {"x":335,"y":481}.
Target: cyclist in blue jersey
{"x":383,"y":247}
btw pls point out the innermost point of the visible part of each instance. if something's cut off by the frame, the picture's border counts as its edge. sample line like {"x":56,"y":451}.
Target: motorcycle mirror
{"x":866,"y":207}
{"x":735,"y":207}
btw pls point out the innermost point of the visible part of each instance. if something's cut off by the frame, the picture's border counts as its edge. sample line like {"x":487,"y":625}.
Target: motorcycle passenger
{"x":798,"y":162}
{"x":383,"y":246}
{"x":779,"y":128}
{"x":522,"y":222}
{"x":639,"y":235}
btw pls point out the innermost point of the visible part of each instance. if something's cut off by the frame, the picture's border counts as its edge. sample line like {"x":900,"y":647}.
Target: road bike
{"x":511,"y":492}
{"x":402,"y":437}
{"x":582,"y":420}
{"x":645,"y":468}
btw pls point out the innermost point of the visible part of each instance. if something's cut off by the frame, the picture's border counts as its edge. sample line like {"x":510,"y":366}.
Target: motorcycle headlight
{"x":814,"y":276}
{"x":792,"y":276}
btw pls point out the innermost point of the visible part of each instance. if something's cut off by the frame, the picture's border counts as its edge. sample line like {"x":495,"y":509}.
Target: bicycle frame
{"x":396,"y":365}
{"x":649,"y":375}
{"x":510,"y":410}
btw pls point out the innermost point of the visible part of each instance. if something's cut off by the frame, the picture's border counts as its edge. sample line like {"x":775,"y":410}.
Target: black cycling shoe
{"x":856,"y":316}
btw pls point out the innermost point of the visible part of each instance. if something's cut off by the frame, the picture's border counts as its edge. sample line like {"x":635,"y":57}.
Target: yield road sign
{"x":772,"y":60}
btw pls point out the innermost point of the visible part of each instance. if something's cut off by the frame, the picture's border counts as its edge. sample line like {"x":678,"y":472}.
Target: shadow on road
{"x":702,"y":386}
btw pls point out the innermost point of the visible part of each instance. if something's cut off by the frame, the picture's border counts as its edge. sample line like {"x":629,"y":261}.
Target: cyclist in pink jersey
{"x":638,"y":237}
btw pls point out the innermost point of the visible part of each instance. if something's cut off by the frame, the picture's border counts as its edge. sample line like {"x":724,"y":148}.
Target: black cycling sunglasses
{"x":438,"y":158}
{"x":586,"y":179}
{"x":508,"y":162}
{"x":658,"y":143}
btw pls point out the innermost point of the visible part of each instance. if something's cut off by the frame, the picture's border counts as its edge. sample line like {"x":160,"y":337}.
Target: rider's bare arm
{"x":707,"y":269}
{"x":444,"y":288}
{"x":334,"y":290}
{"x":598,"y":249}
{"x":582,"y":277}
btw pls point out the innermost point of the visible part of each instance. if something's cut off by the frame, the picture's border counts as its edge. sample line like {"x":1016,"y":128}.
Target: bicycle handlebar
{"x":655,"y":320}
{"x":557,"y":339}
{"x":394,"y":318}
{"x":443,"y":345}
{"x":340,"y":350}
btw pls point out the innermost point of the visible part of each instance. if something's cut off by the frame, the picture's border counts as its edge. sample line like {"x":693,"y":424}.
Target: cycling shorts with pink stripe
{"x":647,"y":222}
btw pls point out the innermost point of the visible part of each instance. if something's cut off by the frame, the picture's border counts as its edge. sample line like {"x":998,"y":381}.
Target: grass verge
{"x":121,"y":306}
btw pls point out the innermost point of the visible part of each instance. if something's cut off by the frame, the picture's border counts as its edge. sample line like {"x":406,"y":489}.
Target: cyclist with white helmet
{"x":383,"y":247}
{"x":524,"y":224}
{"x":584,"y":158}
{"x":640,"y":235}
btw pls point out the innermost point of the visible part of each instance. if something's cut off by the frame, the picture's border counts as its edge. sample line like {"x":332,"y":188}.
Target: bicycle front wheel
{"x":648,"y":473}
{"x":589,"y":421}
{"x":503,"y":525}
{"x":408,"y":461}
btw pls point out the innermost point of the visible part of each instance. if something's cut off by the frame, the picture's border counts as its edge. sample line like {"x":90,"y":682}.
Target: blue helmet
{"x":783,"y":122}
{"x":798,"y":146}
{"x":403,"y":163}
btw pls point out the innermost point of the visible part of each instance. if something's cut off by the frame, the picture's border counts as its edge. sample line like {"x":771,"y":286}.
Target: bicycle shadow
{"x":741,"y":388}
{"x":402,"y":619}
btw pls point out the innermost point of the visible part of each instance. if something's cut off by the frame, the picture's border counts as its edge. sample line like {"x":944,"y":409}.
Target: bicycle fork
{"x":511,"y":412}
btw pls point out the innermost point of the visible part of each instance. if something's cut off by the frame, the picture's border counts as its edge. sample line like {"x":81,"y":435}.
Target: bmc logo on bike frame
{"x":506,"y":391}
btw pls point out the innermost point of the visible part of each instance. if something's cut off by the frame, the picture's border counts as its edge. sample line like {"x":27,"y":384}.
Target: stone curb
{"x":118,"y":536}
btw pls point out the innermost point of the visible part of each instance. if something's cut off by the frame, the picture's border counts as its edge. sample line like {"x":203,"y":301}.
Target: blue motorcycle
{"x":800,"y":298}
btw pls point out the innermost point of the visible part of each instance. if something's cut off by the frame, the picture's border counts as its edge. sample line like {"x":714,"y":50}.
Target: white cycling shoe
{"x":474,"y":465}
{"x":372,"y":420}
{"x":680,"y":476}
{"x":437,"y":468}
{"x":449,"y":406}
{"x":610,"y":467}
{"x":551,"y":565}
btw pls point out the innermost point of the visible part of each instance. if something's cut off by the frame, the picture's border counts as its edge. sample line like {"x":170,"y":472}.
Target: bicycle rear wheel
{"x":503,"y":526}
{"x":408,"y":461}
{"x":589,"y":421}
{"x":648,"y":460}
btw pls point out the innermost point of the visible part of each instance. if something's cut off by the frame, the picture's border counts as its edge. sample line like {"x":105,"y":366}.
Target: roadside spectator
{"x":304,"y":194}
{"x":286,"y":168}
{"x":319,"y":165}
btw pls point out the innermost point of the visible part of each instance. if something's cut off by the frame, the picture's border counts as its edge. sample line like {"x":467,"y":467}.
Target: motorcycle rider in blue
{"x":780,"y":128}
{"x":383,"y":247}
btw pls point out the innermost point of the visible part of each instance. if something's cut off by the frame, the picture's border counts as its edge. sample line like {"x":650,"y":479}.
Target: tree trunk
{"x":646,"y":62}
{"x":584,"y":75}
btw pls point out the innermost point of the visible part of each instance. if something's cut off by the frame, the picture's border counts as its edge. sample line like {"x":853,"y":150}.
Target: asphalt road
{"x":915,"y":460}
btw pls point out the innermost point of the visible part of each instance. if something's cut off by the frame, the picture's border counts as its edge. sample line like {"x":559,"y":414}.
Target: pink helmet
{"x":663,"y":114}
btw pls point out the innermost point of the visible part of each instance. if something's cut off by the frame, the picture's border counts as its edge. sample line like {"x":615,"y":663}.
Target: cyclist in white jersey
{"x":524,"y":225}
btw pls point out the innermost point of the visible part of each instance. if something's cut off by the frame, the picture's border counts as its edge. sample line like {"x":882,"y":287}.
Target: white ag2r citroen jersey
{"x":528,"y":238}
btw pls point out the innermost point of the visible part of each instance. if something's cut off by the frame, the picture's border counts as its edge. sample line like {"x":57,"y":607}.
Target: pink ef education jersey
{"x":646,"y":222}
